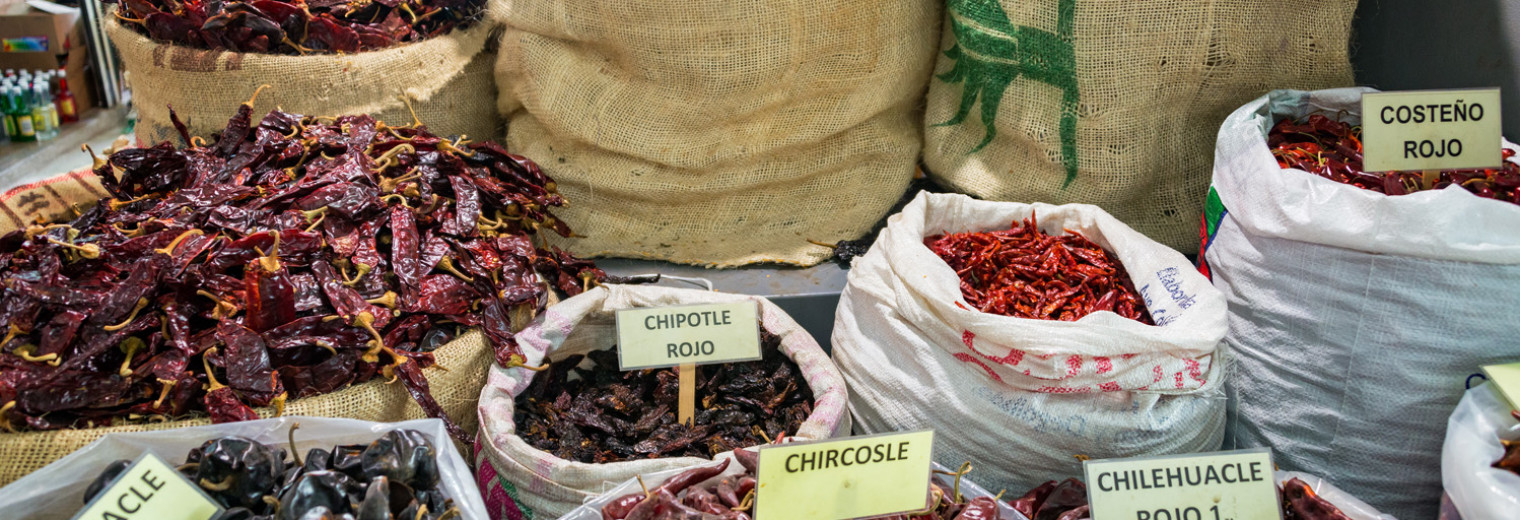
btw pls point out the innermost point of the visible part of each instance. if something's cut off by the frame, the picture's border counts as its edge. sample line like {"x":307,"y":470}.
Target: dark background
{"x":1429,"y":44}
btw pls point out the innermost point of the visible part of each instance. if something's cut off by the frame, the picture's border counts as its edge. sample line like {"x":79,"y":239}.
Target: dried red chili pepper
{"x":273,"y":26}
{"x":1333,"y":150}
{"x":293,"y":256}
{"x":1025,"y":273}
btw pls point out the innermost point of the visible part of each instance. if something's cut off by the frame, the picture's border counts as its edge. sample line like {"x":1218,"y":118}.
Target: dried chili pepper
{"x":601,"y":414}
{"x":1026,"y":273}
{"x":1300,"y":502}
{"x":1333,"y":150}
{"x":1511,"y":459}
{"x":394,"y":477}
{"x":291,"y":257}
{"x":318,"y":26}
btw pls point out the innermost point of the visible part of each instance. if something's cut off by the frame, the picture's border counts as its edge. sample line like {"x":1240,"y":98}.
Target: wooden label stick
{"x":688,"y":387}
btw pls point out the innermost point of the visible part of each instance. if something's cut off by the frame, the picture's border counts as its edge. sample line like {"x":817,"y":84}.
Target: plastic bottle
{"x":20,"y":115}
{"x":41,"y":117}
{"x":64,"y":98}
{"x":45,"y":90}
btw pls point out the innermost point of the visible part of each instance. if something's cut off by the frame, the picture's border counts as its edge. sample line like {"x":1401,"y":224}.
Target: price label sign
{"x":1229,"y":485}
{"x":1431,"y":130}
{"x":856,"y":477}
{"x":658,"y":337}
{"x":150,"y":490}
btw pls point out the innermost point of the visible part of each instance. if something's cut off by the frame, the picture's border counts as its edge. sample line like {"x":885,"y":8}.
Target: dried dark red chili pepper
{"x":604,"y":415}
{"x":290,"y":257}
{"x":1300,"y":502}
{"x":273,"y":26}
{"x":1025,"y":273}
{"x":1333,"y":150}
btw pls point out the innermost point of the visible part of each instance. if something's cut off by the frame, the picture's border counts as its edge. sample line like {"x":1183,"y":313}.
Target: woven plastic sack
{"x":1477,"y":489}
{"x":1020,"y":396}
{"x":1114,"y":102}
{"x":56,"y":492}
{"x":1355,"y":317}
{"x":521,"y":481}
{"x":1353,"y":508}
{"x":719,"y":133}
{"x":456,"y":388}
{"x":447,"y":79}
{"x":592,"y":510}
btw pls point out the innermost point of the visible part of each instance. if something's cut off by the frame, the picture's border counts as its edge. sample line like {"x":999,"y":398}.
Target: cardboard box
{"x":39,"y":34}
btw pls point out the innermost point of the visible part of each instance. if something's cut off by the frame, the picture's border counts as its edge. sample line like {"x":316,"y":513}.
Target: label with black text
{"x":1227,"y":485}
{"x":656,"y":337}
{"x":149,"y":489}
{"x":855,"y":477}
{"x":1431,"y":130}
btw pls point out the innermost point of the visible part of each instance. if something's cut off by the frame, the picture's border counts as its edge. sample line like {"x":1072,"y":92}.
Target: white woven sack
{"x":549,"y":486}
{"x":1479,"y":490}
{"x":1355,"y":317}
{"x":1020,"y":396}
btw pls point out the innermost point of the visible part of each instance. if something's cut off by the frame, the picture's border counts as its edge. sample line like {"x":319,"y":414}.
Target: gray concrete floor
{"x":22,"y":163}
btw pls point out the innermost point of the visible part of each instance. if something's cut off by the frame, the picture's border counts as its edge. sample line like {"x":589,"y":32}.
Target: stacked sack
{"x":1022,"y":397}
{"x":444,"y":81}
{"x":1114,"y":102}
{"x":1355,"y":316}
{"x":719,"y":133}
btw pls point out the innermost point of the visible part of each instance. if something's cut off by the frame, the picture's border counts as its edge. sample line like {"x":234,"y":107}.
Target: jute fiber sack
{"x":455,"y":382}
{"x":1114,"y":102}
{"x":1022,"y":396}
{"x":448,"y":80}
{"x":520,"y":481}
{"x":719,"y":133}
{"x":1355,"y":317}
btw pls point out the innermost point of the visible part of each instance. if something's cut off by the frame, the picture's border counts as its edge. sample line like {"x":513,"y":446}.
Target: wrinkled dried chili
{"x":300,"y":27}
{"x":604,"y":415}
{"x":1026,"y":273}
{"x":395,"y":477}
{"x":1067,"y":500}
{"x":690,"y":495}
{"x":1333,"y":150}
{"x":288,"y":258}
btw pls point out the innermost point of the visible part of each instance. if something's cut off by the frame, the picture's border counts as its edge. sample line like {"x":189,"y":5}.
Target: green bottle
{"x":19,"y":114}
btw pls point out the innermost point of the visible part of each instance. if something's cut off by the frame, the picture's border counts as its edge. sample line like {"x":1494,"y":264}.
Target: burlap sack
{"x":718,"y":133}
{"x":1114,"y":102}
{"x":456,"y":385}
{"x":447,"y":78}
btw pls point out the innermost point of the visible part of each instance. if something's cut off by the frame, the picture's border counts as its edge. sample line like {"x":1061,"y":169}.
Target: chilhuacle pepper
{"x":285,"y":259}
{"x":396,"y":477}
{"x":1067,"y":500}
{"x":296,"y":27}
{"x":600,"y":414}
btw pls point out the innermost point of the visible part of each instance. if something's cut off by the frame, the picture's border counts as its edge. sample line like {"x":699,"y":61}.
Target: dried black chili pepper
{"x":396,"y":477}
{"x":600,"y":414}
{"x":290,"y":257}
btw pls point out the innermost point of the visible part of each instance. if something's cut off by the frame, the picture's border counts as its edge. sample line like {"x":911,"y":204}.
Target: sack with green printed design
{"x":1113,"y":102}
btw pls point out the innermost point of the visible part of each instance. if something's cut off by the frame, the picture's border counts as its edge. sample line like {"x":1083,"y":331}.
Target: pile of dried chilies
{"x":1068,"y":501}
{"x":299,"y":27}
{"x":290,"y":257}
{"x":695,"y":493}
{"x":1333,"y":150}
{"x":1024,"y":272}
{"x":396,"y":477}
{"x":605,"y":415}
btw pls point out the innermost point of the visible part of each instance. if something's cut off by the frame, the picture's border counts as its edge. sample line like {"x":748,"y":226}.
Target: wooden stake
{"x":688,"y":387}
